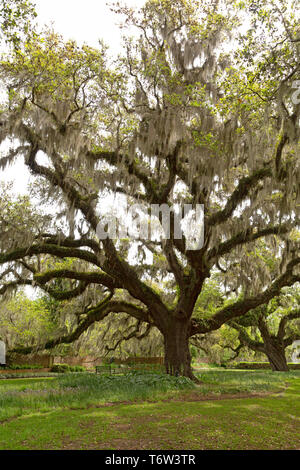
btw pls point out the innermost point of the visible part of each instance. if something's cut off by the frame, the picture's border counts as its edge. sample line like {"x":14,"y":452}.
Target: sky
{"x":85,"y":21}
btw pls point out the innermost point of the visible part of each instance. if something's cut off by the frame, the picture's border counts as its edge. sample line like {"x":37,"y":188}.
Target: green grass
{"x":242,"y":381}
{"x":80,"y":411}
{"x":25,"y":375}
{"x":24,"y":396}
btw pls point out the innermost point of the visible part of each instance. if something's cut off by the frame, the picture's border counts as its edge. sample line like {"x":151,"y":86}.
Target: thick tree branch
{"x":245,"y":339}
{"x":239,"y":194}
{"x":244,"y":237}
{"x":134,"y":334}
{"x":86,"y":277}
{"x":94,"y":314}
{"x":241,"y":307}
{"x":287,"y":318}
{"x":55,"y":250}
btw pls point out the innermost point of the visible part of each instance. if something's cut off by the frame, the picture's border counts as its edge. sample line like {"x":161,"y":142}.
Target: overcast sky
{"x":84,"y":21}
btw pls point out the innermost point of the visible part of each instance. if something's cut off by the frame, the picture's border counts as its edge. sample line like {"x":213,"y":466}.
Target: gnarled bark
{"x":276,"y":356}
{"x":177,"y":351}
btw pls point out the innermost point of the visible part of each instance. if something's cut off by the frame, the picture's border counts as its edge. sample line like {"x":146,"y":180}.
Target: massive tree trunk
{"x":276,"y":356}
{"x":177,"y":352}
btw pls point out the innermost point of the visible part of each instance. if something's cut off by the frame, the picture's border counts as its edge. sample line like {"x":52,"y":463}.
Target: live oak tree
{"x":267,"y":330}
{"x":192,"y":112}
{"x":277,"y":325}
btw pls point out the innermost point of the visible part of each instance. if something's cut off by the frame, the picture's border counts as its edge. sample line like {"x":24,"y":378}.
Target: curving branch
{"x":55,"y":250}
{"x":241,"y":307}
{"x":239,"y":194}
{"x":283,"y":322}
{"x":92,"y":315}
{"x":86,"y":277}
{"x":66,"y":295}
{"x":134,"y":334}
{"x":14,"y":285}
{"x":246,"y":236}
{"x":245,"y":339}
{"x":114,"y":158}
{"x":68,"y":242}
{"x":57,"y":295}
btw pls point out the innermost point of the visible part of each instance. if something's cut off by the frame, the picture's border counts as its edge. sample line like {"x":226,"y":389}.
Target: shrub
{"x":62,"y":368}
{"x":22,"y":367}
{"x":76,"y":369}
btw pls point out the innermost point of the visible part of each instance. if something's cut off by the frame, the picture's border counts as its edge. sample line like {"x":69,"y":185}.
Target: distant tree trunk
{"x":177,"y":352}
{"x":273,"y":348}
{"x":276,"y":356}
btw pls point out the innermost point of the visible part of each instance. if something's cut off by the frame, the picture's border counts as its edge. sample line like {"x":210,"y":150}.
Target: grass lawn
{"x":230,"y":410}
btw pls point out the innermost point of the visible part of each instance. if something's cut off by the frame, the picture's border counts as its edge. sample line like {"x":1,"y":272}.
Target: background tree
{"x":25,"y":322}
{"x":177,"y":119}
{"x":277,"y":324}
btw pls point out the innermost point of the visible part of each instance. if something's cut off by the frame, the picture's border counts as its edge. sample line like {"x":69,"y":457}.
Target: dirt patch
{"x":118,"y":443}
{"x":122,"y":426}
{"x":226,"y":396}
{"x":87,"y":425}
{"x":193,"y":396}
